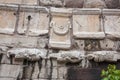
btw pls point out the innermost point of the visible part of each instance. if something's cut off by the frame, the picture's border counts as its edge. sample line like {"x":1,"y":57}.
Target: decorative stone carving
{"x":25,"y":53}
{"x":100,"y":56}
{"x":60,"y":31}
{"x":112,"y":23}
{"x":33,"y":23}
{"x":7,"y":22}
{"x":87,"y":23}
{"x":68,"y":56}
{"x":112,"y":4}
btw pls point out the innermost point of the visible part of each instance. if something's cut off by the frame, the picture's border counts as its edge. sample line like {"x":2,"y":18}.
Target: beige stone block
{"x":112,"y":26}
{"x":60,"y":32}
{"x":11,"y":1}
{"x":9,"y":70}
{"x":33,"y":23}
{"x":87,"y":26}
{"x":7,"y":22}
{"x":19,"y":41}
{"x":51,"y":2}
{"x":29,"y":2}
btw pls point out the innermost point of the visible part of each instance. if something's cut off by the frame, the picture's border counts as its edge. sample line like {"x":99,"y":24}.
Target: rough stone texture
{"x":94,"y":4}
{"x":112,"y":4}
{"x":74,"y":3}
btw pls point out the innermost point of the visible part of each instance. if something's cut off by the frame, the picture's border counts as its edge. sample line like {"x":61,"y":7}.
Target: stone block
{"x":51,"y":2}
{"x":29,"y":2}
{"x":60,"y":31}
{"x":94,"y":4}
{"x":19,"y":41}
{"x":33,"y":23}
{"x":112,"y":23}
{"x":87,"y":24}
{"x":108,"y":44}
{"x":5,"y":59}
{"x":74,"y":3}
{"x":11,"y":1}
{"x":9,"y":70}
{"x":8,"y":22}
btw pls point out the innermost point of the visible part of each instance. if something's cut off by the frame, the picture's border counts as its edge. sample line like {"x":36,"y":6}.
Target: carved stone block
{"x":60,"y":31}
{"x":7,"y":22}
{"x":87,"y":24}
{"x":112,"y":23}
{"x":33,"y":23}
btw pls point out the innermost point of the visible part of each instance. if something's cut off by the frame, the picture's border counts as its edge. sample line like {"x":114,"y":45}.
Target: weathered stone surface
{"x":94,"y":4}
{"x":3,"y":48}
{"x":68,"y":56}
{"x":79,"y":44}
{"x":62,"y":72}
{"x":36,"y":72}
{"x":5,"y":59}
{"x":108,"y":44}
{"x":29,"y":2}
{"x":92,"y":45}
{"x":26,"y":53}
{"x":19,"y":41}
{"x":33,"y":23}
{"x":42,"y":42}
{"x":112,"y":4}
{"x":9,"y":70}
{"x":112,"y":26}
{"x":7,"y":79}
{"x":11,"y":1}
{"x":51,"y":2}
{"x":8,"y":22}
{"x":87,"y":25}
{"x":100,"y":56}
{"x":74,"y":3}
{"x":60,"y":32}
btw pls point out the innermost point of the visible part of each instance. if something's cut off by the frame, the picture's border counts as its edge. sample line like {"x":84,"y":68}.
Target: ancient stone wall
{"x":49,"y":39}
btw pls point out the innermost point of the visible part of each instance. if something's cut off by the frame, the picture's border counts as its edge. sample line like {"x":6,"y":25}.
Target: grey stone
{"x":94,"y":4}
{"x":112,"y":4}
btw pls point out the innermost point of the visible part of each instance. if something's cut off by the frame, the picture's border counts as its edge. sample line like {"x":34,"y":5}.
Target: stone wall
{"x":49,"y":39}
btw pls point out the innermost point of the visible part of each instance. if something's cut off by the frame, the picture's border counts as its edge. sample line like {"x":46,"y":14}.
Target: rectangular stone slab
{"x":60,"y":32}
{"x":7,"y":22}
{"x":87,"y":26}
{"x":33,"y":23}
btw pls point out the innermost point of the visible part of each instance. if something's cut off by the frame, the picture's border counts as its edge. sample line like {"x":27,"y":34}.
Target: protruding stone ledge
{"x":87,"y":11}
{"x":100,"y":56}
{"x":8,"y":7}
{"x":111,"y":11}
{"x":27,"y":53}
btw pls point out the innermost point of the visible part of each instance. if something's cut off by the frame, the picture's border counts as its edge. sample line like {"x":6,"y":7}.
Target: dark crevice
{"x":1,"y":55}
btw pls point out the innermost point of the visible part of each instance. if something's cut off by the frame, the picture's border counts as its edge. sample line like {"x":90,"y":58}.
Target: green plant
{"x":111,"y":73}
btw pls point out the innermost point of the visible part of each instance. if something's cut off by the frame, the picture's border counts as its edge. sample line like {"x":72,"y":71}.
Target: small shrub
{"x":111,"y":73}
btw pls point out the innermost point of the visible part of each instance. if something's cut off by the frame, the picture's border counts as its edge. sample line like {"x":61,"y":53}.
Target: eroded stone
{"x":26,"y":53}
{"x":100,"y":56}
